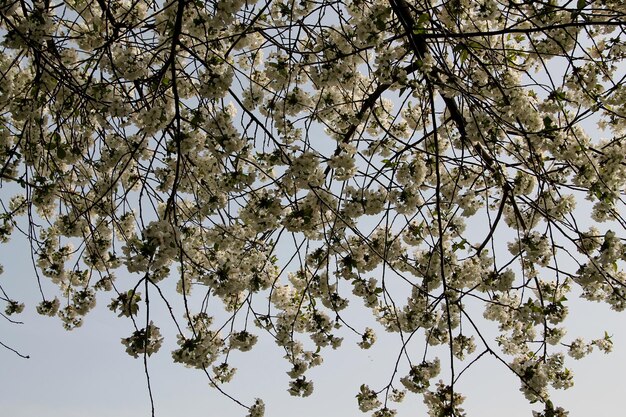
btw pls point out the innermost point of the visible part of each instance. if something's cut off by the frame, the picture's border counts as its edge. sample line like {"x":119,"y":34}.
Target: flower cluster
{"x":367,"y":399}
{"x":444,"y":402}
{"x":201,"y":349}
{"x":143,"y":341}
{"x":418,"y":379}
{"x":48,"y":308}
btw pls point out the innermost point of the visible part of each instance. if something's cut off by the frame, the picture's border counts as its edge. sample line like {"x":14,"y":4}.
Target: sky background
{"x":86,"y":372}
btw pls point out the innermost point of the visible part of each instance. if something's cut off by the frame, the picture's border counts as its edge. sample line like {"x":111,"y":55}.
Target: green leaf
{"x":463,"y":52}
{"x":380,"y":24}
{"x":581,"y":4}
{"x":464,"y":55}
{"x":422,"y":19}
{"x":459,"y":245}
{"x":547,"y":122}
{"x":55,"y":140}
{"x":419,"y":25}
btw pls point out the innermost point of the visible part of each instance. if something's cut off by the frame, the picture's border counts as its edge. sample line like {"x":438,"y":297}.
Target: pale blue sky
{"x":87,"y":373}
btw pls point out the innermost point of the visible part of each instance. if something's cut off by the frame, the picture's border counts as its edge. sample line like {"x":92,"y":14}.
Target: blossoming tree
{"x":282,"y":160}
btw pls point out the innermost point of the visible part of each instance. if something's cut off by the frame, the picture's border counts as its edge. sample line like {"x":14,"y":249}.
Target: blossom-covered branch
{"x":261,"y":168}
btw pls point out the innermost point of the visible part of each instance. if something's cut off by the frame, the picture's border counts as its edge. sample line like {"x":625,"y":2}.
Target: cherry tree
{"x":258,"y":167}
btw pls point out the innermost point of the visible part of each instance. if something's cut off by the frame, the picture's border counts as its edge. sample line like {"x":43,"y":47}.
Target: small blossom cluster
{"x":418,"y":379}
{"x":444,"y":402}
{"x":143,"y":341}
{"x":201,"y":349}
{"x":537,"y":373}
